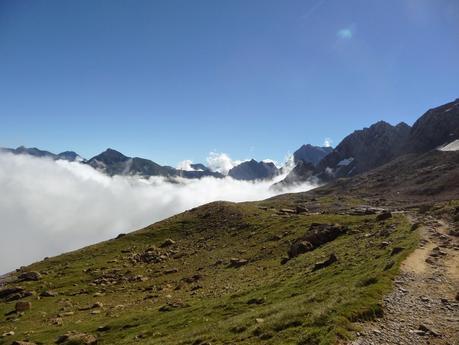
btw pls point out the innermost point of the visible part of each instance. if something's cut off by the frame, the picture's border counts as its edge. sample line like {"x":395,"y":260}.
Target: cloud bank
{"x":50,"y":207}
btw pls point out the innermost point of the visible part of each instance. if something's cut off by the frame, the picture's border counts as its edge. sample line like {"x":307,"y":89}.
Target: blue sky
{"x":173,"y":80}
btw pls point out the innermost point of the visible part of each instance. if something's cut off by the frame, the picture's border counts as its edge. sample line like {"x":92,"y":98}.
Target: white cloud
{"x":345,"y":33}
{"x":221,"y":162}
{"x":49,"y":207}
{"x":185,"y":165}
{"x":328,"y":142}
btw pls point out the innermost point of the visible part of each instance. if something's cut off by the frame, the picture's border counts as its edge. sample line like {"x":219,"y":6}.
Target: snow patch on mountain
{"x":452,"y":146}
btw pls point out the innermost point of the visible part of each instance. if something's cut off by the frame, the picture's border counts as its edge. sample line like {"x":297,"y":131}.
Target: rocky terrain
{"x":424,"y":306}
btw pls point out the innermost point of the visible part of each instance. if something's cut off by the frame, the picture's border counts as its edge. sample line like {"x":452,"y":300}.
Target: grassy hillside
{"x":197,"y":290}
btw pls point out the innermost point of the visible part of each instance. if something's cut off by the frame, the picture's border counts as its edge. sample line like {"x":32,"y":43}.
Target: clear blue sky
{"x":172,"y":80}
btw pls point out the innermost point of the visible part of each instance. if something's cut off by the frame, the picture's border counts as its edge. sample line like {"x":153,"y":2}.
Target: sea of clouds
{"x":49,"y":207}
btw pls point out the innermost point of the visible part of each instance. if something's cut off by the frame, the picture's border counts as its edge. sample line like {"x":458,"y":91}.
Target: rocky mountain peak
{"x":311,"y":154}
{"x":253,"y":170}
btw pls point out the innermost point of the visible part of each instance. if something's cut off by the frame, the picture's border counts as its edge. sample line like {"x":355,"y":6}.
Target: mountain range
{"x":369,"y":148}
{"x":359,"y":152}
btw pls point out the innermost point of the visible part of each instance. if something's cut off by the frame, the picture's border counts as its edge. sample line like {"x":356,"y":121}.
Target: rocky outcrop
{"x":76,"y":338}
{"x":317,"y":235}
{"x":29,"y":276}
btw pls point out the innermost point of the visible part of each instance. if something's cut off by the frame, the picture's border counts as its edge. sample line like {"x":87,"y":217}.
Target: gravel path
{"x":422,"y":309}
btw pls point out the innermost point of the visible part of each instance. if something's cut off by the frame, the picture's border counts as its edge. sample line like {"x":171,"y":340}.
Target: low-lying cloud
{"x":49,"y":207}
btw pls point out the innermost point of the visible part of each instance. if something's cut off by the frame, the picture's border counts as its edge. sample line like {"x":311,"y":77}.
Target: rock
{"x":14,"y":293}
{"x":29,"y":276}
{"x":76,"y":338}
{"x":57,"y":321}
{"x":236,"y":262}
{"x":317,"y":235}
{"x":415,"y":226}
{"x":171,"y":270}
{"x":284,"y":260}
{"x":322,"y":264}
{"x":287,"y":211}
{"x":22,"y":306}
{"x":396,"y":250}
{"x":8,"y":334}
{"x":260,"y":300}
{"x":120,"y":236}
{"x":150,"y":255}
{"x":298,"y":248}
{"x":259,"y":320}
{"x":383,"y":216}
{"x":168,"y":242}
{"x":424,"y":299}
{"x":301,"y":209}
{"x":192,"y":279}
{"x":103,"y":328}
{"x":48,"y":293}
{"x":457,"y":296}
{"x":429,"y":330}
{"x":18,"y":342}
{"x":384,"y":244}
{"x":97,"y":305}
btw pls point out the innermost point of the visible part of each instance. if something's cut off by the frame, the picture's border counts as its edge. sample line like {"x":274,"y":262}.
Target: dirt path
{"x":423,"y":308}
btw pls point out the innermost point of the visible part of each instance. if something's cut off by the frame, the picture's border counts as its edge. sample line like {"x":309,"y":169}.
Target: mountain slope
{"x":436,"y":127}
{"x":214,"y":275}
{"x":432,"y":176}
{"x":364,"y":150}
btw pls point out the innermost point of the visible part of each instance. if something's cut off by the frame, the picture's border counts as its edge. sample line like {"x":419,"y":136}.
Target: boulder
{"x":29,"y":276}
{"x":22,"y":306}
{"x":76,"y":338}
{"x":396,"y":250}
{"x":14,"y":293}
{"x":317,"y":235}
{"x":48,"y":293}
{"x":236,"y":262}
{"x":298,"y":248}
{"x":383,"y":216}
{"x":322,"y":264}
{"x":168,"y":242}
{"x":301,"y":209}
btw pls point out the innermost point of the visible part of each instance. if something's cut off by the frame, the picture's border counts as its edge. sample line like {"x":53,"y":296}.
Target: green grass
{"x":296,"y":305}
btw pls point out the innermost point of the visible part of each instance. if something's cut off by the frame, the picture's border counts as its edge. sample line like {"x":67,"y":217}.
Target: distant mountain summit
{"x":311,"y":154}
{"x":112,"y":162}
{"x":253,"y":170}
{"x":33,"y":151}
{"x":364,"y":150}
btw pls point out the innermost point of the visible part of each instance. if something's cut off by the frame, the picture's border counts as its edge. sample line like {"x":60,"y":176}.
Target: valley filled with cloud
{"x":49,"y":207}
